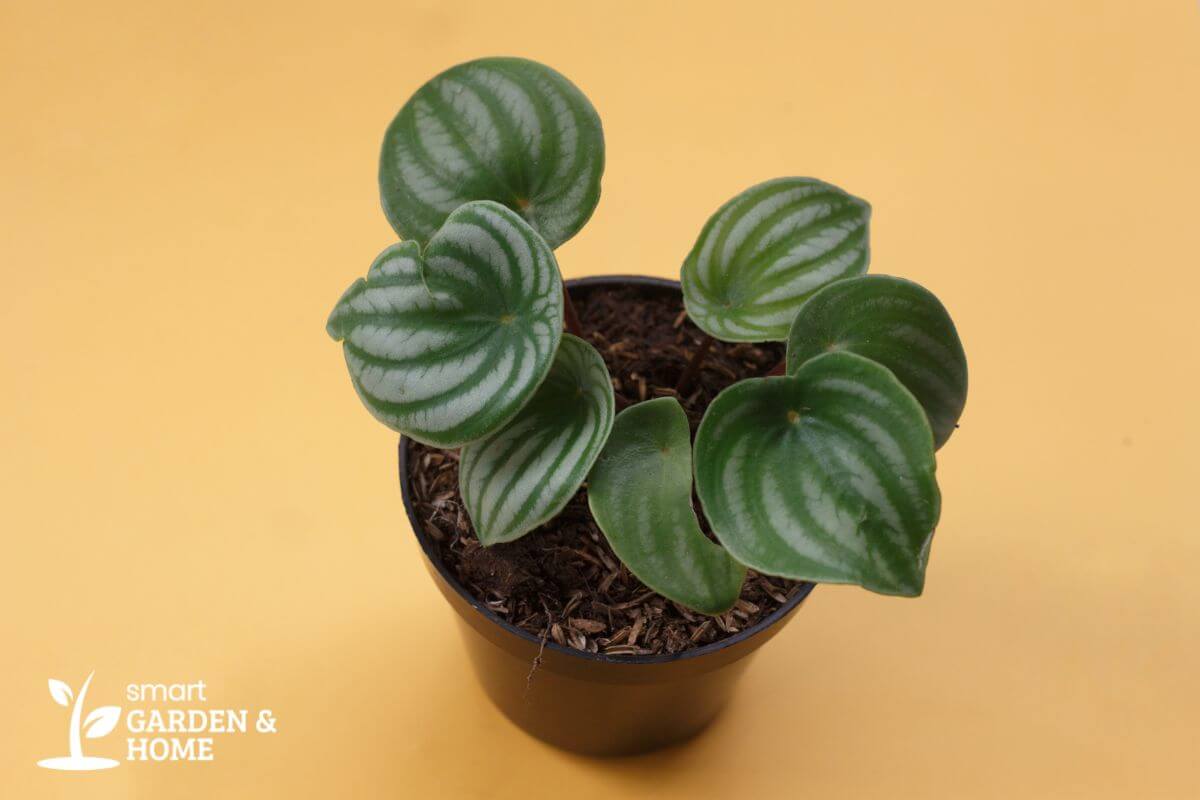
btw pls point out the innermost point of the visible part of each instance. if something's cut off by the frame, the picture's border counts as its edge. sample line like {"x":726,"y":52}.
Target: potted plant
{"x":553,"y":438}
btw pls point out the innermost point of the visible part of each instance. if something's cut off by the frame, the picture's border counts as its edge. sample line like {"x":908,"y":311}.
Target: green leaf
{"x":503,"y":129}
{"x":521,"y":476}
{"x":766,"y":250}
{"x":826,"y":475}
{"x":897,"y":323}
{"x":447,"y":348}
{"x":640,"y":493}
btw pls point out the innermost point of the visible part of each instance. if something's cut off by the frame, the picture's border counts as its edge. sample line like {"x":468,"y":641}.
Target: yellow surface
{"x":191,"y":491}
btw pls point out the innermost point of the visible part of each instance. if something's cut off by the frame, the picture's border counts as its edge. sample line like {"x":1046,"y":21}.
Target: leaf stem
{"x":693,"y":366}
{"x":570,"y":315}
{"x":76,"y":713}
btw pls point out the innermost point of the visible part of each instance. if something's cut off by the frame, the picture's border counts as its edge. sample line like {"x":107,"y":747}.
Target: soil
{"x":562,"y":581}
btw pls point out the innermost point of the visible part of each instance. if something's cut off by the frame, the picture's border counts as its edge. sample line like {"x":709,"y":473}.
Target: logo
{"x":157,"y":728}
{"x":99,"y":723}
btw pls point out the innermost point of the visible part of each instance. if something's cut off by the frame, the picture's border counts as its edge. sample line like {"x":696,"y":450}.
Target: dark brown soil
{"x":562,"y":581}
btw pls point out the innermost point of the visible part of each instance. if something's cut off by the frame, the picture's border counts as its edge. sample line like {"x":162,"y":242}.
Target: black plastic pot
{"x":590,"y":703}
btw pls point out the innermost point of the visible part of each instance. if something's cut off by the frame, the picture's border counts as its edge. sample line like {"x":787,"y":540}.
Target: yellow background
{"x":190,"y":489}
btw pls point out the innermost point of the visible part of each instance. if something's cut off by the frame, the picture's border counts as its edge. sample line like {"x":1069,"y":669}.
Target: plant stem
{"x":570,"y":315}
{"x":778,"y":369}
{"x":693,"y":366}
{"x":76,"y":712}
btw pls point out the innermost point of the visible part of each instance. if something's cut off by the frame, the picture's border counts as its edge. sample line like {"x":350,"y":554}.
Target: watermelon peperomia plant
{"x":455,"y":338}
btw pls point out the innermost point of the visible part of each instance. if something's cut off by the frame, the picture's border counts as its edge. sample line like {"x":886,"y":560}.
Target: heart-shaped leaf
{"x":522,"y":475}
{"x":101,"y":721}
{"x":640,"y":493}
{"x":449,"y":347}
{"x":61,"y":692}
{"x":766,"y":250}
{"x":897,"y":323}
{"x":503,"y":129}
{"x":826,"y":475}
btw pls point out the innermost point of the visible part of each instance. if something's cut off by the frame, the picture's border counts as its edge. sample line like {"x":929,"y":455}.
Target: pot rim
{"x":431,"y":552}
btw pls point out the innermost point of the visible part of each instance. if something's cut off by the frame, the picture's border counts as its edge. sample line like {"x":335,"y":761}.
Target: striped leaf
{"x":640,"y":493}
{"x":447,"y":348}
{"x":825,"y":475}
{"x":765,"y":251}
{"x":521,"y":476}
{"x":897,"y":323}
{"x":503,"y":129}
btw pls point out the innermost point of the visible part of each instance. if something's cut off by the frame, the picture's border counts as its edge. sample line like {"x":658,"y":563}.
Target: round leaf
{"x":503,"y":129}
{"x":521,"y":476}
{"x":449,"y":347}
{"x":897,"y":323}
{"x":826,"y":475}
{"x":766,"y":250}
{"x":640,"y":493}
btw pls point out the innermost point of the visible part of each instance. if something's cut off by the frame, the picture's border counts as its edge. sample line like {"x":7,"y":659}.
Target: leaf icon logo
{"x":60,"y":692}
{"x":100,"y":722}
